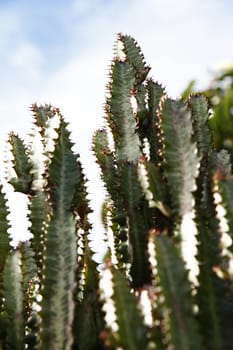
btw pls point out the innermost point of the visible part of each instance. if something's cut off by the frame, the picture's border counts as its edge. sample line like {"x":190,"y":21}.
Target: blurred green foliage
{"x":220,"y":97}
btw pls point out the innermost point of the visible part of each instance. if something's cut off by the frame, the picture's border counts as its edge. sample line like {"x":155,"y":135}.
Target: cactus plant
{"x":163,"y":178}
{"x":167,"y":190}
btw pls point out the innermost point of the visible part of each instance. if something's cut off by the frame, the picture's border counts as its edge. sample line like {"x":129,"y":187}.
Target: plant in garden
{"x":167,"y":190}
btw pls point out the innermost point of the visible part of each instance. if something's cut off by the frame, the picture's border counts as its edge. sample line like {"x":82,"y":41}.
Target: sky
{"x":59,"y":52}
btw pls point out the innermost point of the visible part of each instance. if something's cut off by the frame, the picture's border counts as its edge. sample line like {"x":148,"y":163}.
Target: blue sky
{"x":42,"y":41}
{"x":58,"y":51}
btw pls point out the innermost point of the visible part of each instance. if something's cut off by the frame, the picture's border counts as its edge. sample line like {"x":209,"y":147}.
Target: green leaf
{"x":178,"y":304}
{"x":221,"y":121}
{"x":181,"y":161}
{"x":188,"y":90}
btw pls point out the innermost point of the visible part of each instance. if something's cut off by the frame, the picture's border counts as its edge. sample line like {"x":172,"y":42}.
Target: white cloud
{"x":16,"y":51}
{"x":26,"y":57}
{"x":84,"y":8}
{"x":182,"y":40}
{"x":9,"y":25}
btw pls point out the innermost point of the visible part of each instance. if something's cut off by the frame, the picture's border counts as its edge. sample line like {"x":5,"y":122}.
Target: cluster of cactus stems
{"x":169,"y":202}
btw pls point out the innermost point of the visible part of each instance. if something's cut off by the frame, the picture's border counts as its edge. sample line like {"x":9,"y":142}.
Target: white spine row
{"x":145,"y":185}
{"x":106,"y":295}
{"x":226,"y":240}
{"x":120,"y":55}
{"x":41,"y":150}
